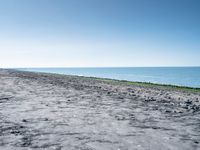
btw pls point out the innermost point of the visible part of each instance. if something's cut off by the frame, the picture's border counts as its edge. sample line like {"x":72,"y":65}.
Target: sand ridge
{"x":48,"y":111}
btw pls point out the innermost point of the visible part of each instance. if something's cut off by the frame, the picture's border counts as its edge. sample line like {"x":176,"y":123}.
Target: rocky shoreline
{"x":48,"y":111}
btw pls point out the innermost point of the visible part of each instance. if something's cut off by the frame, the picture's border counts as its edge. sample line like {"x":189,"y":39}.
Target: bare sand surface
{"x":48,"y":111}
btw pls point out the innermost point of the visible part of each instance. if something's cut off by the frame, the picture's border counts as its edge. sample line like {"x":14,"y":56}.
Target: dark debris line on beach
{"x":49,"y":111}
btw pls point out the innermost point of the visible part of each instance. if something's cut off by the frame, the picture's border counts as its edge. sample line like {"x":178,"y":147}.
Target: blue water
{"x":183,"y":76}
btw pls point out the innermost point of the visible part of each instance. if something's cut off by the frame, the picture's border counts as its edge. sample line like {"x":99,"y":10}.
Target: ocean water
{"x":183,"y":76}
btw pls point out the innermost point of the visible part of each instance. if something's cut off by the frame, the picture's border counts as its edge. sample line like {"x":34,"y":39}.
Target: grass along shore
{"x":126,"y":82}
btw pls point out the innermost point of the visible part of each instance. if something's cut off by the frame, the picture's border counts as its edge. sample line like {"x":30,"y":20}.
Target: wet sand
{"x":48,"y":111}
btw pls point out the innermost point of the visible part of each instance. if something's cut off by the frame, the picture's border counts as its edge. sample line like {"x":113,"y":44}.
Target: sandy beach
{"x":49,"y":111}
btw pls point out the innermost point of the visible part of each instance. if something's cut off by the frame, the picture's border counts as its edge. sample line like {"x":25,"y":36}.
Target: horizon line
{"x":98,"y":67}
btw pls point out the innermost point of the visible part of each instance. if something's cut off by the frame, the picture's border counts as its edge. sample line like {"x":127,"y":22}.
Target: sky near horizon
{"x":99,"y":33}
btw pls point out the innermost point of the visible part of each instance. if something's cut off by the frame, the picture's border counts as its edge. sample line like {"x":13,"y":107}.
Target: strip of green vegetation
{"x":140,"y":84}
{"x":151,"y":85}
{"x":125,"y":82}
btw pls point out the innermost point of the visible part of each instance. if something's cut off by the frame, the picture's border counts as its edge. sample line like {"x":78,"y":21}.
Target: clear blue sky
{"x":83,"y":33}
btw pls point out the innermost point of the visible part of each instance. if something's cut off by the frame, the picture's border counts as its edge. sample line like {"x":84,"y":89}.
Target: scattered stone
{"x":120,"y":117}
{"x":164,"y":101}
{"x":188,"y":102}
{"x":108,"y":93}
{"x":120,"y":97}
{"x":131,"y":94}
{"x":168,"y":111}
{"x":21,"y":127}
{"x":195,"y":108}
{"x":150,"y":99}
{"x":26,"y":141}
{"x":15,"y":132}
{"x":24,"y":120}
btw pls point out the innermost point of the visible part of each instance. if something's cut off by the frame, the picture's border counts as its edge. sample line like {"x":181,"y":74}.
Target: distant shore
{"x":126,"y":82}
{"x":52,"y":111}
{"x":179,"y":76}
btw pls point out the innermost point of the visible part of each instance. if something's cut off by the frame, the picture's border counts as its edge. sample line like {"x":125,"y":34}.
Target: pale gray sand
{"x":40,"y":111}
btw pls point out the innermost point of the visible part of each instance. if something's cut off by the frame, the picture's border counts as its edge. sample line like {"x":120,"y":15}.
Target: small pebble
{"x":188,"y":102}
{"x":167,"y":111}
{"x":24,"y":120}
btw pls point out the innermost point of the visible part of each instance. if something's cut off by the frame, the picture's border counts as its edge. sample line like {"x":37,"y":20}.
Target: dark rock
{"x":24,"y":120}
{"x":16,"y":132}
{"x":120,"y":97}
{"x":168,"y":111}
{"x":153,"y":99}
{"x":26,"y":141}
{"x":131,"y":94}
{"x":108,"y":93}
{"x":188,"y":102}
{"x":195,"y":108}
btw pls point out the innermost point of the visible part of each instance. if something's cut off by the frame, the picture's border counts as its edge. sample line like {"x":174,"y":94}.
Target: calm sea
{"x":184,"y":76}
